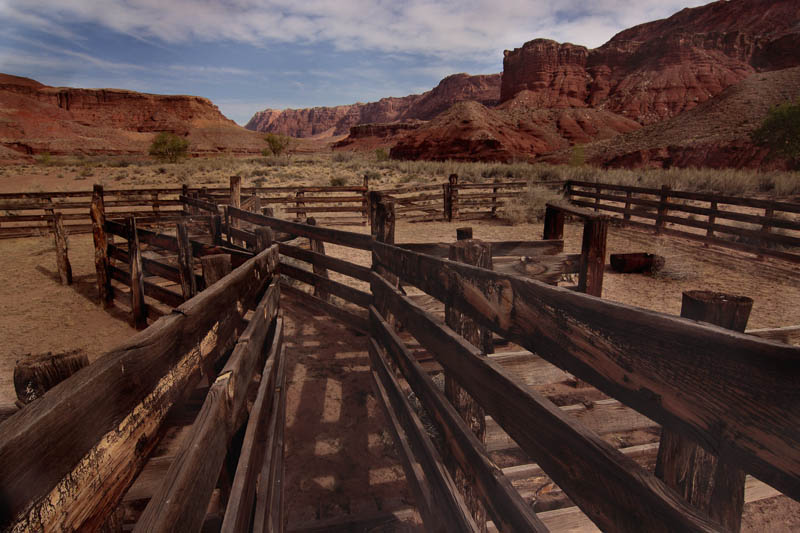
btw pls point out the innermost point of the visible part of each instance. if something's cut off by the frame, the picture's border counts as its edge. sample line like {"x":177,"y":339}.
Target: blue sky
{"x":247,"y":55}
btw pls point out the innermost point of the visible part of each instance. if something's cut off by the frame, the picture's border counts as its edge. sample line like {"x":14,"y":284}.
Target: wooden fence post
{"x":476,"y":253}
{"x":298,"y":203}
{"x":227,"y":224}
{"x":765,"y":228}
{"x":382,"y":230}
{"x":462,"y":234}
{"x":138,"y":307}
{"x":185,"y":263}
{"x":98,"y":214}
{"x":663,"y":211}
{"x":712,"y":219}
{"x":35,"y":375}
{"x":62,"y":247}
{"x":453,"y":179}
{"x":698,"y":475}
{"x":215,"y":267}
{"x":598,"y":190}
{"x":494,"y":201}
{"x":187,"y":209}
{"x":216,"y":230}
{"x":553,"y":223}
{"x":365,"y":198}
{"x":235,"y":201}
{"x":593,"y":255}
{"x":50,"y":212}
{"x":154,"y":199}
{"x":447,"y":202}
{"x":264,"y":238}
{"x":319,"y":247}
{"x":627,"y":214}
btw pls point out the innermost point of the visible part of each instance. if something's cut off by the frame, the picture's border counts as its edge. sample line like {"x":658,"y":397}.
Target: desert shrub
{"x":169,"y":147}
{"x":338,"y":181}
{"x":43,"y":158}
{"x":381,"y":154}
{"x":780,"y":132}
{"x":530,"y":205}
{"x":577,"y":157}
{"x":342,"y":157}
{"x":276,"y":144}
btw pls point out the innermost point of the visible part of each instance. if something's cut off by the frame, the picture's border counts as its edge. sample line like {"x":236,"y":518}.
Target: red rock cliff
{"x":321,"y":121}
{"x":659,"y":69}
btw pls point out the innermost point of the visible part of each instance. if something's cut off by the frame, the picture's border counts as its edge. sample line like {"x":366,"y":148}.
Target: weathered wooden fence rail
{"x":764,"y":227}
{"x":67,"y":459}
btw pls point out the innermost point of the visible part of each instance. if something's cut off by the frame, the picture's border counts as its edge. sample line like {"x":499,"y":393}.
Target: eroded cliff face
{"x":659,"y":69}
{"x":37,"y":118}
{"x":337,"y":120}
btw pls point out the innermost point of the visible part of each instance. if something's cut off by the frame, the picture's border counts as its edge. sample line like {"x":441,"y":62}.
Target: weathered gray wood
{"x":264,"y":238}
{"x":436,"y":495}
{"x":578,"y":460}
{"x":270,"y":476}
{"x":696,"y":379}
{"x":138,"y":305}
{"x":499,"y":248}
{"x":83,"y":442}
{"x":35,"y":375}
{"x":97,"y":212}
{"x":318,"y":247}
{"x":181,"y":501}
{"x":185,"y":263}
{"x":471,"y":252}
{"x":509,"y":512}
{"x":215,"y":267}
{"x":62,"y":250}
{"x":356,"y":296}
{"x":704,"y":481}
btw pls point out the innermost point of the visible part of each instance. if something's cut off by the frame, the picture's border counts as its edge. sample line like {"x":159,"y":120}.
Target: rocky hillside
{"x":36,"y":118}
{"x":646,"y":74}
{"x":331,"y":121}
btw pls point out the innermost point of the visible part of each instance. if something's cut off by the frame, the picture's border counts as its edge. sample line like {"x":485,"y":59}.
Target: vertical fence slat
{"x":138,"y":307}
{"x":98,"y":214}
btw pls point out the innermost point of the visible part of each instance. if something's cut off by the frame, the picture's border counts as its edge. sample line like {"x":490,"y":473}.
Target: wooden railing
{"x":764,"y":227}
{"x":67,"y":459}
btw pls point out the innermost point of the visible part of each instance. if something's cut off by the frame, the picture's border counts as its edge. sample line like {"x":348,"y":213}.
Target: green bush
{"x":780,"y":132}
{"x":338,"y":181}
{"x":169,"y":147}
{"x":381,"y":154}
{"x":276,"y":144}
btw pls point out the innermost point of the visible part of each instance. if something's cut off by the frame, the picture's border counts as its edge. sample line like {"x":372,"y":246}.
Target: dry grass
{"x":350,"y":169}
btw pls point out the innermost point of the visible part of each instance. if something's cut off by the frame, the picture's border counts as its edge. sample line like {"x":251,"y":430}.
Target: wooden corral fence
{"x":68,"y":458}
{"x":764,"y":227}
{"x":33,"y":214}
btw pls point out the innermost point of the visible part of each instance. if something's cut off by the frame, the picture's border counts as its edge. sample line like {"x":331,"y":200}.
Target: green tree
{"x":277,"y":144}
{"x":169,"y":147}
{"x":780,"y":132}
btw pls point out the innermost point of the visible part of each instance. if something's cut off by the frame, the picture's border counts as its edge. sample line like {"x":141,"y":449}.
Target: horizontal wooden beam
{"x":67,"y":458}
{"x":578,"y":460}
{"x":699,"y":380}
{"x":325,"y":261}
{"x":348,"y":318}
{"x":358,"y":297}
{"x":507,"y":509}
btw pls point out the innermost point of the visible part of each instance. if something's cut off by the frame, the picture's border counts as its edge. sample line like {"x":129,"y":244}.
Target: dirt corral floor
{"x":340,"y":459}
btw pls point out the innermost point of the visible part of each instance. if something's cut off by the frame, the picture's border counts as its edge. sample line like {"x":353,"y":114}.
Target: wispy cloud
{"x":446,"y":28}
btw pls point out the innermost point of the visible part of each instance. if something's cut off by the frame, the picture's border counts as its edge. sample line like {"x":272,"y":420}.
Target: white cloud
{"x":445,"y":28}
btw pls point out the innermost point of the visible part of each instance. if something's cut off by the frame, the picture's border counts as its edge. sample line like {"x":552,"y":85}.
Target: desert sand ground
{"x":339,"y":455}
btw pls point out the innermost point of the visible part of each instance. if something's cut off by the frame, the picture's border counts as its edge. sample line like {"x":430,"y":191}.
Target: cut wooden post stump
{"x":35,"y":375}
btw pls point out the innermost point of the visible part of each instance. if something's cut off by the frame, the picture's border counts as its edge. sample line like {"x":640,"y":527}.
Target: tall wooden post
{"x":699,"y":476}
{"x":382,"y":230}
{"x":98,"y":214}
{"x":598,"y":190}
{"x":365,"y":198}
{"x":138,"y":307}
{"x":227,"y":224}
{"x":447,"y":202}
{"x":216,"y":230}
{"x":185,"y":263}
{"x":712,"y":219}
{"x":299,"y":204}
{"x":627,"y":214}
{"x":765,"y":229}
{"x":235,"y":201}
{"x":453,"y":182}
{"x":264,"y":238}
{"x":215,"y":267}
{"x":319,"y":247}
{"x":62,"y":247}
{"x":553,"y":223}
{"x":476,"y":253}
{"x":154,"y":200}
{"x":593,"y":255}
{"x":187,"y":209}
{"x":494,"y":202}
{"x":663,"y":211}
